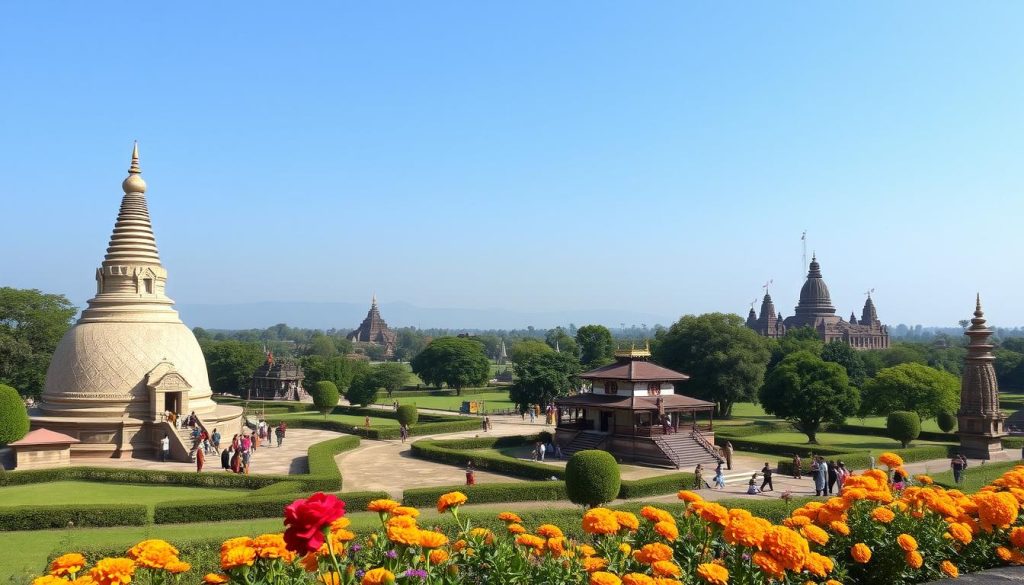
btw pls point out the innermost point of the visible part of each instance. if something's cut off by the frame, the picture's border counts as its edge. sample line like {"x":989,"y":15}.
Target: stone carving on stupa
{"x":980,"y":421}
{"x":129,"y":360}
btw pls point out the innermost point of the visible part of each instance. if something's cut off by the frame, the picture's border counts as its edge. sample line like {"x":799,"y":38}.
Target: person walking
{"x":798,"y":472}
{"x":766,"y":471}
{"x":470,"y":473}
{"x":841,"y":473}
{"x":216,"y":441}
{"x":403,"y":432}
{"x":871,"y":460}
{"x":728,"y":455}
{"x":200,"y":459}
{"x":533,"y":416}
{"x":165,"y":448}
{"x":541,"y":450}
{"x":698,"y":476}
{"x":225,"y":460}
{"x":823,"y":475}
{"x":719,"y":477}
{"x":816,"y":475}
{"x":483,"y":423}
{"x":280,"y":432}
{"x":832,"y":477}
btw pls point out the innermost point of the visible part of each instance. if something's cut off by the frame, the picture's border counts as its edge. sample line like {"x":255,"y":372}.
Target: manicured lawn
{"x":87,"y":492}
{"x":976,"y":476}
{"x":879,"y":422}
{"x":492,"y":401}
{"x":749,"y":410}
{"x":836,"y":440}
{"x":349,"y":419}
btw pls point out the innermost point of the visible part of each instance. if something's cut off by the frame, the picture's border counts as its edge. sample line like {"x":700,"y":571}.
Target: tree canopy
{"x":32,"y":323}
{"x":391,"y":376}
{"x":230,"y":364}
{"x":14,"y":423}
{"x":325,"y":396}
{"x":544,"y":377}
{"x":337,"y":369}
{"x":455,"y":361}
{"x":596,"y":346}
{"x":726,"y":360}
{"x":808,"y":391}
{"x":527,"y":348}
{"x":841,"y":353}
{"x":913,"y":387}
{"x":558,"y":339}
{"x":363,"y":389}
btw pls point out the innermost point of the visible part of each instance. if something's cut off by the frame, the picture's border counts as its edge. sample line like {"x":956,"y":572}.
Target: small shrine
{"x":632,"y":411}
{"x":980,"y":421}
{"x":277,"y":380}
{"x":43,"y":449}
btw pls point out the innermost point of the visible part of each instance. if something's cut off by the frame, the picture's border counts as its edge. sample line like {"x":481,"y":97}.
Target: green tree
{"x":14,"y":422}
{"x":544,"y":377}
{"x":904,"y":426}
{"x":808,"y":391}
{"x":558,"y":338}
{"x":363,"y":389}
{"x":796,"y":339}
{"x":596,"y":346}
{"x":408,"y":414}
{"x":338,"y":369}
{"x":32,"y":323}
{"x":322,"y":345}
{"x":455,"y":361}
{"x":841,"y":353}
{"x":411,"y":341}
{"x":946,"y":421}
{"x":592,"y":478}
{"x":725,"y":359}
{"x":231,"y":364}
{"x":325,"y":397}
{"x":391,"y":376}
{"x":526,"y":348}
{"x":911,"y":386}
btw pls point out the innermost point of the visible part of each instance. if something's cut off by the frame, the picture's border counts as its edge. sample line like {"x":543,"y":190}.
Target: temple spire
{"x":132,"y":241}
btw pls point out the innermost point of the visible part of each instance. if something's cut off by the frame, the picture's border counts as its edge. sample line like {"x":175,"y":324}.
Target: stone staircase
{"x":682,"y":450}
{"x":584,"y":441}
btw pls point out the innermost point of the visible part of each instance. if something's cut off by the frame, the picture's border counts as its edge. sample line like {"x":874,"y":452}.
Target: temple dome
{"x":814,"y":297}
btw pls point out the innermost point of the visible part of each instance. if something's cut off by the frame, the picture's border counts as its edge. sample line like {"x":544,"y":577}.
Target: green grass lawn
{"x":492,"y":401}
{"x":88,"y":492}
{"x":349,"y":419}
{"x":976,"y":476}
{"x":835,"y":440}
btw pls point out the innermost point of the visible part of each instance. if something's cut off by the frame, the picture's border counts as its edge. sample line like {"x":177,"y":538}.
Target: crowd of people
{"x":236,"y":456}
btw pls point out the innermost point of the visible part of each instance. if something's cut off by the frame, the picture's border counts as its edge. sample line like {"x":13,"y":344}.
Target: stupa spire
{"x":132,"y":241}
{"x":980,"y":418}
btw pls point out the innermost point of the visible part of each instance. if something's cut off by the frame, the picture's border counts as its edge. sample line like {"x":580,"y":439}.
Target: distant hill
{"x":399,"y":314}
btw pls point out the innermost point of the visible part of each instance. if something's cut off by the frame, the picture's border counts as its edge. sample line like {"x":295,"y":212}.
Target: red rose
{"x":306,"y":520}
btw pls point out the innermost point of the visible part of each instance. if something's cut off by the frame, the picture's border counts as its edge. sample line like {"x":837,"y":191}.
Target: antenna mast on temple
{"x":766,"y":285}
{"x":803,"y":262}
{"x":868,"y":293}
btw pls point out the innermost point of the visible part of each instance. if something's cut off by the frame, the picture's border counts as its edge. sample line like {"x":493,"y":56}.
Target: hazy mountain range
{"x":341,"y":315}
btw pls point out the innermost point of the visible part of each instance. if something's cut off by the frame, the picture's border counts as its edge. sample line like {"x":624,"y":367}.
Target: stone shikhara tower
{"x":980,"y":420}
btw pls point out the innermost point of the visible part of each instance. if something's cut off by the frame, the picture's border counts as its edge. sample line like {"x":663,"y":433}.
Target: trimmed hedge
{"x":141,"y":476}
{"x":93,"y":515}
{"x":655,"y":486}
{"x":860,"y":459}
{"x":526,"y":491}
{"x":1013,"y":442}
{"x":271,"y":506}
{"x":881,"y":432}
{"x":444,"y":452}
{"x":456,"y":425}
{"x":445,"y":392}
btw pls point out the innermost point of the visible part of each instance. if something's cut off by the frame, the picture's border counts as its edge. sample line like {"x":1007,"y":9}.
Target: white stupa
{"x":129,"y":359}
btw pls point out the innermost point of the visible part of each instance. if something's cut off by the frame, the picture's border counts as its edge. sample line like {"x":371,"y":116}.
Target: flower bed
{"x":867,"y":535}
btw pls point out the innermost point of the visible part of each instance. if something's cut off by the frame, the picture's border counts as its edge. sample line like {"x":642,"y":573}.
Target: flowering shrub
{"x":866,"y":535}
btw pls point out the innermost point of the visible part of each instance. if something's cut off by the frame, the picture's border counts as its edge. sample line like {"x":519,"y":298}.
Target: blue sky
{"x":662,"y":157}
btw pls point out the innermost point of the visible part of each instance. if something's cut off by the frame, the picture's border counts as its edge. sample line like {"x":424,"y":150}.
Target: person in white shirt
{"x":165,"y":448}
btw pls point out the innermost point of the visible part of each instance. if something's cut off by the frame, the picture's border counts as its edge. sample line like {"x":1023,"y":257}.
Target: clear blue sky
{"x":661,"y":157}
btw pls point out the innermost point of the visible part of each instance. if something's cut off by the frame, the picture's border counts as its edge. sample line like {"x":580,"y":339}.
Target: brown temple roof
{"x":44,"y":437}
{"x":669,"y":402}
{"x":634,"y":371}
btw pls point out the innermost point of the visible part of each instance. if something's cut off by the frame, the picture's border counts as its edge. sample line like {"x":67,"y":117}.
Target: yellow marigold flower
{"x":484,"y":533}
{"x":516,"y":528}
{"x":600,"y":521}
{"x":666,"y":569}
{"x":450,"y":500}
{"x":438,"y":556}
{"x":907,"y":543}
{"x":153,"y":553}
{"x":177,"y":566}
{"x":656,"y":514}
{"x":603,"y":578}
{"x":949,"y":569}
{"x":667,"y":530}
{"x":636,"y":579}
{"x":530,"y":541}
{"x":769,"y":565}
{"x":556,"y":546}
{"x":406,"y":511}
{"x":403,"y":535}
{"x":814,"y":534}
{"x":215,"y":579}
{"x":237,"y":557}
{"x":840,"y":528}
{"x":627,"y":520}
{"x":625,"y":549}
{"x":653,"y":552}
{"x":549,"y":531}
{"x":401,"y":522}
{"x":113,"y":571}
{"x":384,"y":506}
{"x":68,"y":564}
{"x":378,"y":577}
{"x":1004,"y":553}
{"x":786,"y":546}
{"x":591,"y":564}
{"x":711,"y":512}
{"x":330,"y":578}
{"x":235,"y":542}
{"x":924,"y":479}
{"x":890,"y":460}
{"x":49,"y":580}
{"x":860,"y":553}
{"x":666,"y":581}
{"x":586,"y":550}
{"x":883,"y":515}
{"x":510,"y":517}
{"x":914,"y":559}
{"x":340,"y":523}
{"x":713,"y":574}
{"x":688,"y":496}
{"x":960,"y":532}
{"x":431,"y":539}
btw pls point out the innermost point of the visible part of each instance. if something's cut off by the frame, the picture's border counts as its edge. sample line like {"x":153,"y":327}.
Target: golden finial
{"x":134,"y":182}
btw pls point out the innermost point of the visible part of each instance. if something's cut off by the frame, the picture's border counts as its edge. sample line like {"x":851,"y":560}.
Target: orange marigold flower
{"x":796,"y":521}
{"x":600,"y":521}
{"x":177,"y":566}
{"x":653,"y":552}
{"x":860,"y":553}
{"x":530,"y":541}
{"x":153,"y":553}
{"x":667,"y":530}
{"x":819,"y":565}
{"x":890,"y":460}
{"x":510,"y":517}
{"x":113,"y":571}
{"x":403,"y":535}
{"x":437,"y":556}
{"x":786,"y":546}
{"x":656,"y":514}
{"x":688,"y":496}
{"x":713,"y":574}
{"x":451,"y":500}
{"x":1004,"y":553}
{"x":556,"y":546}
{"x":603,"y":578}
{"x":832,"y":582}
{"x":591,"y":564}
{"x":378,"y":577}
{"x":310,"y":562}
{"x":636,"y":579}
{"x":384,"y":506}
{"x":50,"y":580}
{"x":516,"y":528}
{"x":68,"y":564}
{"x":235,"y":542}
{"x":549,"y":531}
{"x":907,"y":543}
{"x":666,"y":581}
{"x":949,"y":569}
{"x":960,"y":532}
{"x":711,"y":512}
{"x":1017,"y":537}
{"x":745,"y":529}
{"x":883,"y":515}
{"x":840,"y":528}
{"x":406,"y":511}
{"x":237,"y":557}
{"x":215,"y":579}
{"x":666,"y":569}
{"x":431,"y":539}
{"x":401,"y":521}
{"x":914,"y":559}
{"x":924,"y":479}
{"x":483,"y":533}
{"x":627,"y":520}
{"x":814,"y":534}
{"x":769,"y":565}
{"x":329,"y":578}
{"x":342,"y":522}
{"x":586,"y":550}
{"x":272,"y":546}
{"x":996,"y":509}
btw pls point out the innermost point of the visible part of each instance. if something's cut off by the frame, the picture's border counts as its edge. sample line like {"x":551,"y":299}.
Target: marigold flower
{"x":177,"y":566}
{"x":960,"y":532}
{"x":711,"y":512}
{"x":113,"y":571}
{"x":437,"y":556}
{"x":237,"y":557}
{"x":666,"y":581}
{"x":688,"y":496}
{"x":603,"y":578}
{"x":713,"y":574}
{"x":401,"y":522}
{"x":890,"y":460}
{"x":515,"y":528}
{"x":949,"y":569}
{"x":883,"y":515}
{"x":666,"y":569}
{"x":484,"y":533}
{"x":636,"y":579}
{"x":510,"y":517}
{"x":403,"y":535}
{"x":667,"y":530}
{"x":530,"y":541}
{"x":745,"y":529}
{"x":996,"y":509}
{"x":49,"y":580}
{"x":600,"y":521}
{"x":819,"y":565}
{"x":330,"y":578}
{"x":924,"y":479}
{"x":769,"y":565}
{"x":1004,"y":553}
{"x":233,"y":542}
{"x":860,"y":553}
{"x":840,"y":528}
{"x":591,"y":564}
{"x":383,"y":506}
{"x":215,"y":579}
{"x":914,"y":559}
{"x":653,"y":552}
{"x":786,"y":546}
{"x":656,"y":514}
{"x":272,"y":546}
{"x":406,"y":511}
{"x":450,"y":500}
{"x":625,"y":549}
{"x":340,"y":523}
{"x":68,"y":564}
{"x":586,"y":550}
{"x":153,"y":553}
{"x":907,"y":543}
{"x":378,"y":577}
{"x":431,"y":539}
{"x":814,"y":534}
{"x":627,"y":520}
{"x":556,"y":546}
{"x":549,"y":531}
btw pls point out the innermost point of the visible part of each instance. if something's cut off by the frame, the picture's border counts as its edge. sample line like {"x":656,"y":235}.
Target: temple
{"x":277,"y":380}
{"x":979,"y":421}
{"x":129,"y":360}
{"x":815,"y":310}
{"x":375,"y":331}
{"x":633,"y":412}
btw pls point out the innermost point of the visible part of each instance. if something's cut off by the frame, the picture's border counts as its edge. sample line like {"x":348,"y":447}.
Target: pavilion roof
{"x":44,"y":437}
{"x":634,"y":371}
{"x":627,"y":402}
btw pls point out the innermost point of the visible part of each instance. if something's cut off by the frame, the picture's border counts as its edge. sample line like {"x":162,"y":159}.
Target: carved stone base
{"x":980,"y":446}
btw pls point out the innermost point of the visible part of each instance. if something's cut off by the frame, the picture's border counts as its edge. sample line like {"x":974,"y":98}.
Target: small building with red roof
{"x":43,"y":449}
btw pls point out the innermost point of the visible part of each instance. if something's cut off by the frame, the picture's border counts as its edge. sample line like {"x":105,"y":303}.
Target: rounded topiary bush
{"x":904,"y":426}
{"x":325,"y":396}
{"x":592,"y":478}
{"x":946,"y":421}
{"x":13,"y":416}
{"x":408,"y":415}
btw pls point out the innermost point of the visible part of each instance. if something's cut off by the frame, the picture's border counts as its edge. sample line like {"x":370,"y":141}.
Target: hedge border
{"x":63,"y":516}
{"x":268,"y":506}
{"x":429,"y":424}
{"x":459,"y":451}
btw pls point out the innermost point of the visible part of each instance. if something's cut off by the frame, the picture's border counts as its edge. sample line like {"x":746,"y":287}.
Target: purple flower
{"x":391,"y":554}
{"x":746,"y":557}
{"x":356,"y":548}
{"x":416,"y":573}
{"x":360,"y":573}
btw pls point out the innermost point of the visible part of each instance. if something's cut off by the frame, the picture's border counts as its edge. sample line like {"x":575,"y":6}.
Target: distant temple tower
{"x":815,"y":310}
{"x":374,"y":330}
{"x":980,"y":420}
{"x":277,"y":380}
